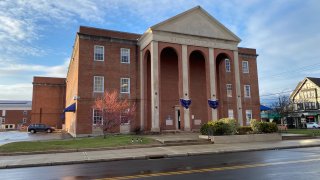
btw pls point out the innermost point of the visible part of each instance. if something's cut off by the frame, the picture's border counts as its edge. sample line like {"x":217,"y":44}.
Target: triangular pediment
{"x":196,"y":22}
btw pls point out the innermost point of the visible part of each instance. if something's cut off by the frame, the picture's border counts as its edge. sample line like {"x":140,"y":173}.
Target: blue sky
{"x":36,"y":36}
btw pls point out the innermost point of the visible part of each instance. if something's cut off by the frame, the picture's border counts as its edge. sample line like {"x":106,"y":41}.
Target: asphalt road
{"x":303,"y":163}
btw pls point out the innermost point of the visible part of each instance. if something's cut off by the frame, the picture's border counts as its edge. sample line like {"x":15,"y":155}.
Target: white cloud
{"x":20,"y":91}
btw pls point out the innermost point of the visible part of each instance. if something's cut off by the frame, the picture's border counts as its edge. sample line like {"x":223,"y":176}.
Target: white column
{"x":142,"y":98}
{"x":154,"y":87}
{"x":238,"y":87}
{"x":185,"y":86}
{"x":212,"y":67}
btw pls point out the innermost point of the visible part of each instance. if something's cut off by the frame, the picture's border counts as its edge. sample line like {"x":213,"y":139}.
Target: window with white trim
{"x":25,"y":112}
{"x":98,"y":84}
{"x":248,"y":117}
{"x":229,"y":90}
{"x":3,"y":112}
{"x":2,"y":120}
{"x":97,"y":118}
{"x":228,"y":65}
{"x":247,"y":91}
{"x":125,"y":55}
{"x":125,"y":85}
{"x":98,"y":53}
{"x":245,"y":66}
{"x":24,"y":120}
{"x":230,"y":114}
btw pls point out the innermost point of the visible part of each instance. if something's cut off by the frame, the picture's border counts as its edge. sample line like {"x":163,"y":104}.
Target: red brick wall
{"x":251,"y":78}
{"x":112,"y":70}
{"x":48,"y":101}
{"x":16,"y":117}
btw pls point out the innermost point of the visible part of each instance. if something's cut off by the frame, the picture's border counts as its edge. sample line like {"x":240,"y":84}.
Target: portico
{"x":184,"y":58}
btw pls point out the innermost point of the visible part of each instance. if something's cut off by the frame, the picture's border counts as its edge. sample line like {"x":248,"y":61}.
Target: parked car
{"x":312,"y":125}
{"x":33,"y":128}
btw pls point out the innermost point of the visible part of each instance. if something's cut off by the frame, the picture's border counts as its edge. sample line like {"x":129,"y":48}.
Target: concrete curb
{"x":101,"y":149}
{"x":156,"y":156}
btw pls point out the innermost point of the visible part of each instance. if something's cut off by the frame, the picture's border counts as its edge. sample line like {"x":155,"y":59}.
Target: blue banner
{"x":213,"y":103}
{"x":185,"y":103}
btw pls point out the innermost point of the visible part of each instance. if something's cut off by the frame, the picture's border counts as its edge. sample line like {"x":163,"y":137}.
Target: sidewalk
{"x":146,"y":153}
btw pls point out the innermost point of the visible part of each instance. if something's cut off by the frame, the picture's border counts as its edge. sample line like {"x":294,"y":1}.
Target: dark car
{"x":33,"y":128}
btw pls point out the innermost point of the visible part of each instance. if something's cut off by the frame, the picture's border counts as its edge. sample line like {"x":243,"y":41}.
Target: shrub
{"x":254,"y":125}
{"x":263,"y":127}
{"x":204,"y":130}
{"x":221,"y":127}
{"x":232,"y":123}
{"x":244,"y":130}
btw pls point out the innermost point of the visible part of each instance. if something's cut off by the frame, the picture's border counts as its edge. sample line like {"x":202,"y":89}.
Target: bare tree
{"x":282,"y":106}
{"x":113,"y":109}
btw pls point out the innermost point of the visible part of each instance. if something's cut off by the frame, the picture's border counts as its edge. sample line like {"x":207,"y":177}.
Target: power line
{"x":304,"y":68}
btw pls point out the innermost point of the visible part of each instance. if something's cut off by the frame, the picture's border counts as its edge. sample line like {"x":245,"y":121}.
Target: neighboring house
{"x":48,"y":101}
{"x":14,"y":114}
{"x":189,"y":56}
{"x":305,"y":101}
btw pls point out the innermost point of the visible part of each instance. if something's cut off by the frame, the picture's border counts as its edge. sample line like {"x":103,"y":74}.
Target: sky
{"x":36,"y":36}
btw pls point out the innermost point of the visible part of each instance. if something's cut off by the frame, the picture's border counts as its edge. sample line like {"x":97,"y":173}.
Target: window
{"x":98,"y":84}
{"x":98,"y":53}
{"x":125,"y":55}
{"x":300,"y":106}
{"x":97,"y":117}
{"x":247,"y":91}
{"x":248,"y":116}
{"x":125,"y":85}
{"x":24,"y":120}
{"x":228,"y":66}
{"x":229,"y":90}
{"x":3,"y":112}
{"x":245,"y":66}
{"x":230,"y":114}
{"x":25,"y":112}
{"x":2,"y":120}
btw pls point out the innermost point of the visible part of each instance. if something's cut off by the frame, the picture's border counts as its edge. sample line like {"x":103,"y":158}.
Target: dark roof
{"x":315,"y":80}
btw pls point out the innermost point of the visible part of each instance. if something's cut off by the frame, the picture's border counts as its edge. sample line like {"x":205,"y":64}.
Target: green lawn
{"x":76,"y":143}
{"x":311,"y":132}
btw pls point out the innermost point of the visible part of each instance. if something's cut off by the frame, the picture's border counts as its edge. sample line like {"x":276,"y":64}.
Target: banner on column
{"x":185,"y":103}
{"x":213,"y":103}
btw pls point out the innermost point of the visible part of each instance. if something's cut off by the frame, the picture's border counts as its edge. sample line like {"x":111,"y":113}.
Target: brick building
{"x":13,"y":114}
{"x":48,"y":101}
{"x":189,"y":56}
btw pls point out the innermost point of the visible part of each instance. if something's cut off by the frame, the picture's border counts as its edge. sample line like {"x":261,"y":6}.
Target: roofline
{"x":109,"y":30}
{"x":193,"y":9}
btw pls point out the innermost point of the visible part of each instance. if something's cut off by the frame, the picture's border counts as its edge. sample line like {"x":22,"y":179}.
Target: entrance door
{"x":178,"y":122}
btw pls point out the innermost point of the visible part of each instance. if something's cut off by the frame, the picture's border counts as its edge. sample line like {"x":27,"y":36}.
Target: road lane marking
{"x":209,"y":169}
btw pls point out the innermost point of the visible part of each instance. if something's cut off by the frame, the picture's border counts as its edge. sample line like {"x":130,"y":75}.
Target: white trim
{"x":3,"y":112}
{"x":142,"y":83}
{"x":128,"y":92}
{"x":229,"y":95}
{"x":243,"y":69}
{"x":94,"y":80}
{"x":230,"y":114}
{"x":155,"y":124}
{"x":124,"y":49}
{"x":185,"y":87}
{"x":94,"y":52}
{"x":245,"y":91}
{"x":227,"y":64}
{"x":248,"y":111}
{"x":93,"y":110}
{"x":238,"y":87}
